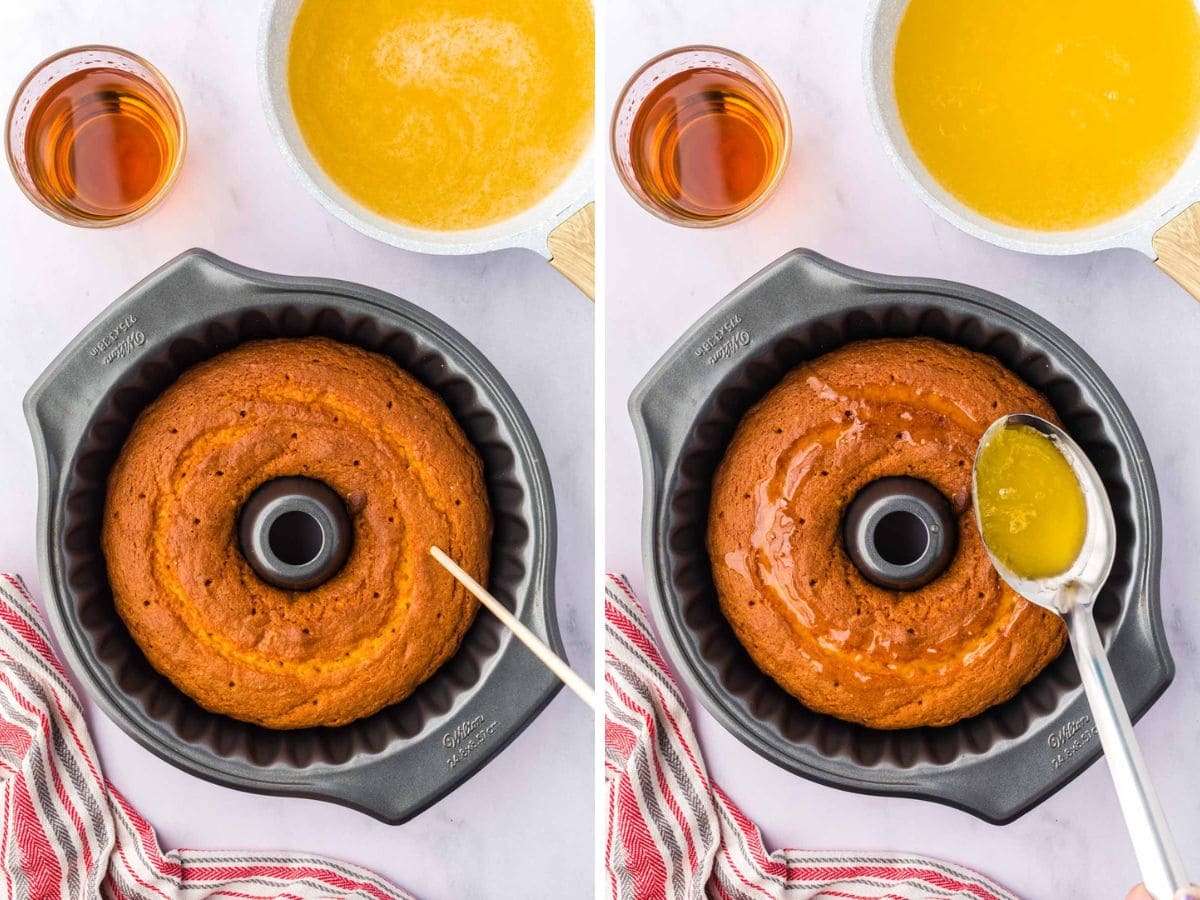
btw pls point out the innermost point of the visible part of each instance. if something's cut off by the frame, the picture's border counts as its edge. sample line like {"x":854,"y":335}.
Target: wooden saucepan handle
{"x":573,"y":249}
{"x":1177,"y":245}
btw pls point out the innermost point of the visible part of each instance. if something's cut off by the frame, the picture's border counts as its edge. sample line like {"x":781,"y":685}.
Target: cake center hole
{"x":901,"y":538}
{"x":296,"y":538}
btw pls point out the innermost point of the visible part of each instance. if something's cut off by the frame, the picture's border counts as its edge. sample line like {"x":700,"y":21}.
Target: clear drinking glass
{"x":95,"y":136}
{"x":700,"y":136}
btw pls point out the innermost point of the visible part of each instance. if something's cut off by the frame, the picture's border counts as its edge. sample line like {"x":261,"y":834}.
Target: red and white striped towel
{"x":673,"y":834}
{"x":68,"y":835}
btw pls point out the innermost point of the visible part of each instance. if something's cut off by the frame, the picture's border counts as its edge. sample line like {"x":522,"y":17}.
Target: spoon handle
{"x":1158,"y":859}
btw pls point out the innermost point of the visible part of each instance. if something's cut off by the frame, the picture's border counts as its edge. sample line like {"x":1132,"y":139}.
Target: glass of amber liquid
{"x":701,"y":136}
{"x":96,"y":136}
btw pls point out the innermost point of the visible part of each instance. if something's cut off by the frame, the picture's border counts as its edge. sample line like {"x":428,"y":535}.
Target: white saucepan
{"x":561,"y":227}
{"x":1166,"y":227}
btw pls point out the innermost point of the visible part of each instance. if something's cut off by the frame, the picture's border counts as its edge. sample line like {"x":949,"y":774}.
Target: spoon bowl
{"x":1090,"y":570}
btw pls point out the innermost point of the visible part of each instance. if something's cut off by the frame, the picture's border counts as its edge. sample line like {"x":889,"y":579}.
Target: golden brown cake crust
{"x":326,"y":410}
{"x":809,"y":619}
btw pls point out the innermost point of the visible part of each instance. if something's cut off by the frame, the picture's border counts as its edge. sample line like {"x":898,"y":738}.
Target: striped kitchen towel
{"x":673,"y":834}
{"x":69,"y":835}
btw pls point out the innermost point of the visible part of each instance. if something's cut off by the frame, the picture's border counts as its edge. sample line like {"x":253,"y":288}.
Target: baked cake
{"x":381,"y":625}
{"x":809,"y":619}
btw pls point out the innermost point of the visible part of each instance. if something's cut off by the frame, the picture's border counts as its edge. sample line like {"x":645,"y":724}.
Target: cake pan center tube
{"x":295,"y":533}
{"x":900,"y":533}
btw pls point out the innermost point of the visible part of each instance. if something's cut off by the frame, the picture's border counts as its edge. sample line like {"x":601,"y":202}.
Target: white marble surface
{"x":522,"y":826}
{"x":842,"y":198}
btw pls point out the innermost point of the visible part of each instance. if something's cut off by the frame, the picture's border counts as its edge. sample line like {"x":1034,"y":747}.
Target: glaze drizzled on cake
{"x":808,"y":617}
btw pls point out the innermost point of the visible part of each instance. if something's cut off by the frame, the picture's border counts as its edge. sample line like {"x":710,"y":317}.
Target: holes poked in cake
{"x":213,"y":735}
{"x":708,"y":642}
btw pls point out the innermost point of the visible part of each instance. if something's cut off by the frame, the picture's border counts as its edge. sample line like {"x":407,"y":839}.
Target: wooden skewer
{"x":523,"y":634}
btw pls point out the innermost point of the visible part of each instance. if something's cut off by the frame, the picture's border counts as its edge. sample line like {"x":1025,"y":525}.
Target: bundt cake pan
{"x":397,"y":762}
{"x":1002,"y":762}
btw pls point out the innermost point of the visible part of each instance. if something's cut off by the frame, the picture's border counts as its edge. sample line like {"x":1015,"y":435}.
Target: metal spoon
{"x":1072,"y":595}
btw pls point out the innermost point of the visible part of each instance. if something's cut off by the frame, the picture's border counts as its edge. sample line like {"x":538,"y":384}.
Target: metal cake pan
{"x":397,"y":762}
{"x":996,"y":765}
